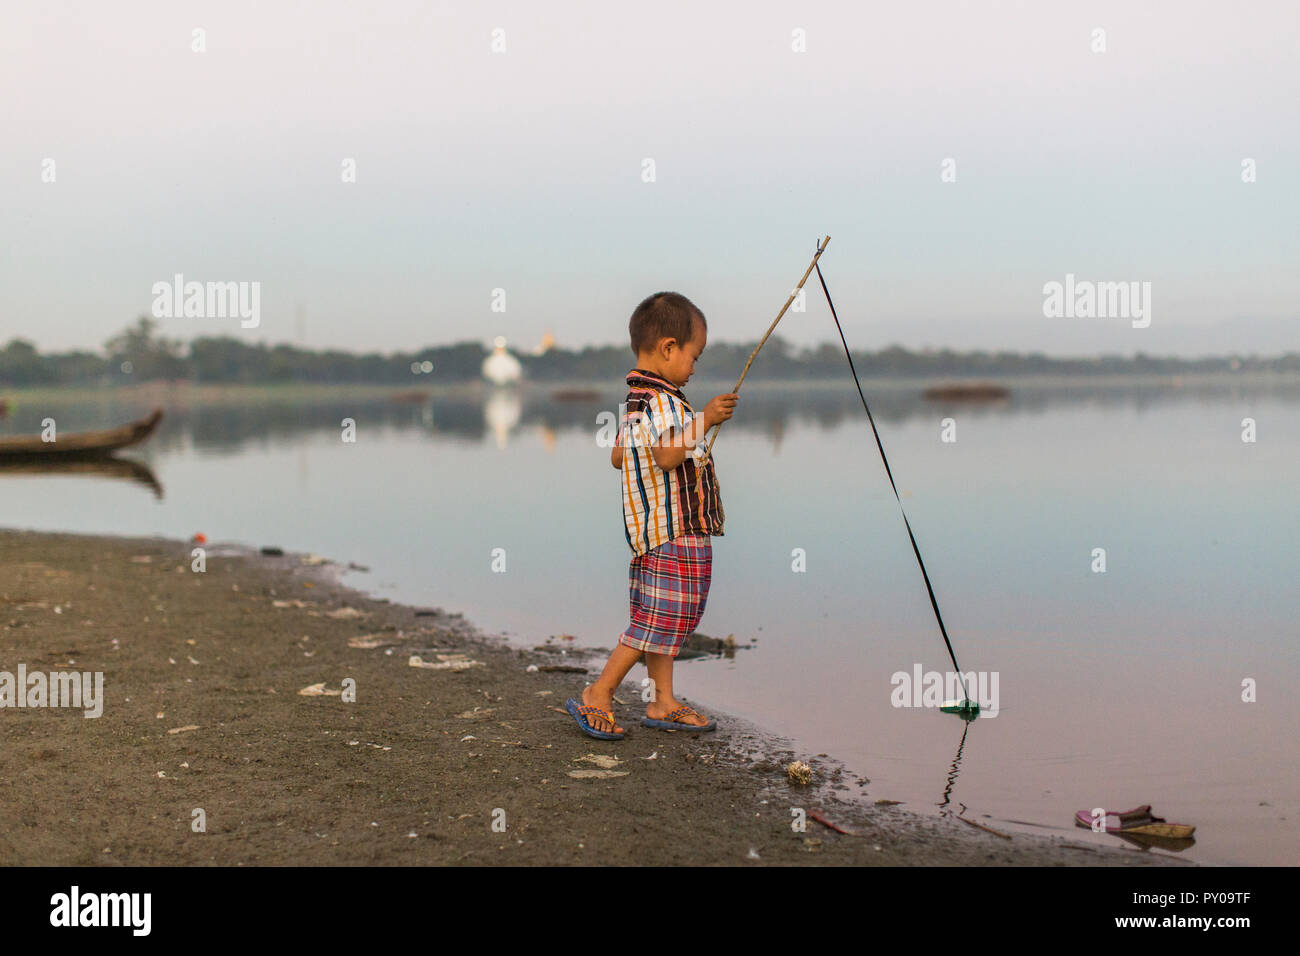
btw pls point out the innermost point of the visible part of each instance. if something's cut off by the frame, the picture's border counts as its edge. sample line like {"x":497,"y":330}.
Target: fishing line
{"x":967,"y":706}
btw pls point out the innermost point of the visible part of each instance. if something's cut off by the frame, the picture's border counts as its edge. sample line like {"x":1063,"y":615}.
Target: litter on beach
{"x":606,"y":761}
{"x":446,"y":662}
{"x":369,"y":641}
{"x":318,"y":690}
{"x":814,"y":815}
{"x":799,"y":772}
{"x":585,"y":774}
{"x":1139,"y":821}
{"x":345,"y":613}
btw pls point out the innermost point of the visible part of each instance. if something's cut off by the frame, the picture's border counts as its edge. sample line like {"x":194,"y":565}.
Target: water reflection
{"x":502,"y":413}
{"x":953,"y":769}
{"x":118,"y":468}
{"x":475,"y":414}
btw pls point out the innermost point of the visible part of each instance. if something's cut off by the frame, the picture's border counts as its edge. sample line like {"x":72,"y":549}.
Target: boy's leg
{"x":662,"y":702}
{"x":601,"y":693}
{"x":689,"y":582}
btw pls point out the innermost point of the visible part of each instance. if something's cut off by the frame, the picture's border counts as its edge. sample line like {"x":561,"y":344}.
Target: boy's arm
{"x":672,"y":448}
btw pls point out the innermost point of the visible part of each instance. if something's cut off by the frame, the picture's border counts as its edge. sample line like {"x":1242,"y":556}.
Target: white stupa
{"x":501,"y":368}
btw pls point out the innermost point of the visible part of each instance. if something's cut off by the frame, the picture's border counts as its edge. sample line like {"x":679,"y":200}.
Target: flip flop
{"x":579,"y":709}
{"x":671,"y":723}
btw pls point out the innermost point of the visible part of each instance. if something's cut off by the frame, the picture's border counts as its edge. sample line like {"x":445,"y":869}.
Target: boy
{"x":671,"y":507}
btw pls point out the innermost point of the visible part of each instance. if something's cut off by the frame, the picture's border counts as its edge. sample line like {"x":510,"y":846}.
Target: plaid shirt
{"x":659,"y":505}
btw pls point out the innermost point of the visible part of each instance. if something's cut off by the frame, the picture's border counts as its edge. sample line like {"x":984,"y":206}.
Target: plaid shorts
{"x":667,"y":590}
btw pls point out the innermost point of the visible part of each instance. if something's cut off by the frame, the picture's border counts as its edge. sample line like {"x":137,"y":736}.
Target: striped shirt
{"x":659,"y":505}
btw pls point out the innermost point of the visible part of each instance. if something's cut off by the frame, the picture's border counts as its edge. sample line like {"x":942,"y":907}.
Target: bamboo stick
{"x":708,"y":448}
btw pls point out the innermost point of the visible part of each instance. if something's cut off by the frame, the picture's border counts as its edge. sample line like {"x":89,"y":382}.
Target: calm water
{"x":1114,"y":689}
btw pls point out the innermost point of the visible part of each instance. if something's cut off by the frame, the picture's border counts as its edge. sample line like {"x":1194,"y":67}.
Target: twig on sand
{"x":813,"y":814}
{"x":1005,"y":836}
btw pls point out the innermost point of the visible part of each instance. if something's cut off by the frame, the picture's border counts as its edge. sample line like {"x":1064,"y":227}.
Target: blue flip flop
{"x":578,"y":709}
{"x":671,"y":723}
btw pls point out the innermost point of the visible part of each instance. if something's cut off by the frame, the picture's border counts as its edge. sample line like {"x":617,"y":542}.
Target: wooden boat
{"x":575,"y":395}
{"x":98,"y":444}
{"x":967,"y":392}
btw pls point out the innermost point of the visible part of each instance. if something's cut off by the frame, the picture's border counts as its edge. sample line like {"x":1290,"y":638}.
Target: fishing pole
{"x":821,"y":247}
{"x":967,"y":708}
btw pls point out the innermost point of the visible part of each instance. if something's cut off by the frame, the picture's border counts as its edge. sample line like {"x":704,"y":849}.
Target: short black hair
{"x":664,"y":315}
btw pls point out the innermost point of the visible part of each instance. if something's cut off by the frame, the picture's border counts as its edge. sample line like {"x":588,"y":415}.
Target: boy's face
{"x":679,"y":360}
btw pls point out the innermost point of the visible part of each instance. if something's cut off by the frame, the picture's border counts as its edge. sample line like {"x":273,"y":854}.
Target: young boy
{"x":671,"y":507}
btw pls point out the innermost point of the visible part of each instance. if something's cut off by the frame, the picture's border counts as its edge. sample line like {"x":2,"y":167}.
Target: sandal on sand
{"x":671,"y":722}
{"x":579,"y":709}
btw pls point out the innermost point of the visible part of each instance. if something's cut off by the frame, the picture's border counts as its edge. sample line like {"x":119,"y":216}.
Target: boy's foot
{"x":674,"y":712}
{"x":604,"y":701}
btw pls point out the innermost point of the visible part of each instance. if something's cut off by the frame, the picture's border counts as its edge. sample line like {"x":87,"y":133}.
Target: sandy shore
{"x":203,"y":712}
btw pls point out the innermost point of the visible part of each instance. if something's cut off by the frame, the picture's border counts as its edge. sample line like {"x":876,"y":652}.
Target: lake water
{"x":1114,"y":689}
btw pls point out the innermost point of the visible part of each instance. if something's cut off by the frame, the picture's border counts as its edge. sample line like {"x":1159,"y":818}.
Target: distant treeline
{"x":140,"y":354}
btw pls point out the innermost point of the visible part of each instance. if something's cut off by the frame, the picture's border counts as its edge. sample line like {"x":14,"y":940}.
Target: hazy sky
{"x":522,"y":170}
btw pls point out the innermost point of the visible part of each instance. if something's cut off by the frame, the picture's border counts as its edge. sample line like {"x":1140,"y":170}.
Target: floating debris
{"x":699,"y":645}
{"x":181,"y":730}
{"x":292,"y":603}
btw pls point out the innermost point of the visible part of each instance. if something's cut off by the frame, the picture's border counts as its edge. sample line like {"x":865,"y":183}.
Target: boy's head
{"x":668,"y":334}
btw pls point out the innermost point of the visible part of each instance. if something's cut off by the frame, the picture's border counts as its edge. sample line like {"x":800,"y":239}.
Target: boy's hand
{"x":719,"y":409}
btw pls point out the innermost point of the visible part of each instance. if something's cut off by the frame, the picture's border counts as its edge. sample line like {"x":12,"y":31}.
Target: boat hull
{"x":79,"y":445}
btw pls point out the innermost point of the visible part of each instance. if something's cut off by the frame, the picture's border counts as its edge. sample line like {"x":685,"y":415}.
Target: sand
{"x":203,"y":723}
